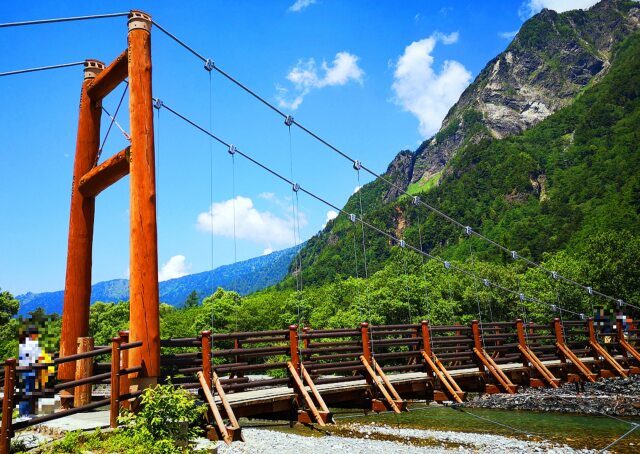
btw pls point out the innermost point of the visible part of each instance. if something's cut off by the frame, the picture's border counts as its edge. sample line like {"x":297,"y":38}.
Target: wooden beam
{"x":110,"y":78}
{"x":214,"y":410}
{"x":101,"y":177}
{"x":77,"y":286}
{"x":144,"y":315}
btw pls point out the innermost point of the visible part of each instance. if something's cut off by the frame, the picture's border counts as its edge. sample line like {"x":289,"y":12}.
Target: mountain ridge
{"x":244,"y":277}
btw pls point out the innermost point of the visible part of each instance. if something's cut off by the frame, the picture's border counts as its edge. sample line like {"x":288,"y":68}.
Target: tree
{"x":8,"y":307}
{"x":192,"y":300}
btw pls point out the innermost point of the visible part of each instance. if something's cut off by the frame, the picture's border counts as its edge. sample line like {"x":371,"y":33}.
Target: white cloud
{"x":267,"y":195}
{"x":299,"y":5}
{"x":531,"y":7}
{"x":331,"y":215}
{"x":175,"y":267}
{"x":305,"y":77}
{"x":261,"y":227}
{"x":422,"y":91}
{"x":508,"y":35}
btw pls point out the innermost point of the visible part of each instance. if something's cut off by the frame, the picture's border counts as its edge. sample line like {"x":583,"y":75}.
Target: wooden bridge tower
{"x":89,"y":179}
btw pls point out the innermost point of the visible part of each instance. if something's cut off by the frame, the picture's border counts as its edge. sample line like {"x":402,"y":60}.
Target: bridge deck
{"x":331,"y":391}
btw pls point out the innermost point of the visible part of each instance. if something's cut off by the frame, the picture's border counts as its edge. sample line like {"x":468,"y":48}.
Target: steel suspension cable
{"x":354,"y":218}
{"x":113,"y":119}
{"x":377,"y":175}
{"x":41,"y":68}
{"x":63,"y":19}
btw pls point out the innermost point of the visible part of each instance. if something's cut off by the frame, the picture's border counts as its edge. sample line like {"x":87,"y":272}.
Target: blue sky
{"x":372,"y":78}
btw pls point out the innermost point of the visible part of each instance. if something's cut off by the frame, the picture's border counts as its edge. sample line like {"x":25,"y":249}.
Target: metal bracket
{"x":352,"y":217}
{"x":157,"y":103}
{"x":619,"y":303}
{"x":295,"y":187}
{"x":446,"y":264}
{"x":209,"y":64}
{"x":554,"y":274}
{"x":289,"y":120}
{"x":486,"y":282}
{"x":590,"y":290}
{"x":514,"y":255}
{"x":402,"y":243}
{"x":416,"y":200}
{"x":232,"y":149}
{"x":554,"y":308}
{"x":468,"y":230}
{"x":357,"y":165}
{"x":522,"y":297}
{"x":139,"y":20}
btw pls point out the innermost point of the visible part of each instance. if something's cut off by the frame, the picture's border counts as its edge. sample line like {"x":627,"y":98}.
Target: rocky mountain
{"x":550,"y":61}
{"x":540,"y":153}
{"x":244,"y":277}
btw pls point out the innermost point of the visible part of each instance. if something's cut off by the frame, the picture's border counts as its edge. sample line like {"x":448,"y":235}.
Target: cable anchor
{"x":554,"y":308}
{"x":357,"y":165}
{"x":554,"y":274}
{"x":416,"y":200}
{"x":486,"y":282}
{"x":447,"y":265}
{"x":157,"y":103}
{"x":232,"y":149}
{"x":289,"y":120}
{"x":514,"y":255}
{"x":295,"y":187}
{"x":209,"y":64}
{"x":352,"y":217}
{"x":590,"y":290}
{"x":468,"y":230}
{"x":402,"y":243}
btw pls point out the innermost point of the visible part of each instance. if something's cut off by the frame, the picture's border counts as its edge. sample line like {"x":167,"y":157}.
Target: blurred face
{"x":34,"y":337}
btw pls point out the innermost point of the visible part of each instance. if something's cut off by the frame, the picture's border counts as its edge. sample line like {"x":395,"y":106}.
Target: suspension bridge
{"x":296,"y":373}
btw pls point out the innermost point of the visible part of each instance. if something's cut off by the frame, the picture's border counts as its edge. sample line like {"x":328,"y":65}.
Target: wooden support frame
{"x":528,"y":357}
{"x":112,"y":76}
{"x":488,"y":362}
{"x":567,"y":355}
{"x":384,"y":386}
{"x":447,"y":381}
{"x":229,"y":433}
{"x":101,"y":177}
{"x":293,"y":347}
{"x":626,"y":347}
{"x":601,"y":352}
{"x":302,"y":391}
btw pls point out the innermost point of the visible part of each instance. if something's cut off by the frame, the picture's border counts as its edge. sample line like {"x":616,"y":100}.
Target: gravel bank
{"x":614,"y":397}
{"x":380,"y":439}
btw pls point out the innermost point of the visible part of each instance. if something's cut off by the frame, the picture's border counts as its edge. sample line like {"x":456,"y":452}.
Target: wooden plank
{"x":101,"y":177}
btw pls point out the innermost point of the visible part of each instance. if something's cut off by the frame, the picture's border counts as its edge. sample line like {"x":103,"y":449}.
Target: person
{"x":29,"y":353}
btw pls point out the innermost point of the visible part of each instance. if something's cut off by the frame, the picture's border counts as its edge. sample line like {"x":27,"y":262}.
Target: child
{"x":29,"y":353}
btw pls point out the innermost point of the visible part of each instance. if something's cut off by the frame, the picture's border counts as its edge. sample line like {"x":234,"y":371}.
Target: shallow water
{"x":577,"y":431}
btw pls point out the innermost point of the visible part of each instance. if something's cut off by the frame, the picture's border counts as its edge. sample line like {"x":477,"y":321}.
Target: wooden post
{"x":7,"y":405}
{"x":144,"y":299}
{"x":557,"y":328}
{"x":124,"y":361}
{"x":522,"y":340}
{"x":77,"y":285}
{"x":293,"y":347}
{"x":477,"y":340}
{"x":115,"y":382}
{"x":426,"y":338}
{"x":366,"y":344}
{"x":84,"y":369}
{"x":206,"y":357}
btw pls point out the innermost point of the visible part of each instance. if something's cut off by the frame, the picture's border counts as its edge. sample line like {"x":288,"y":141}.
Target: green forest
{"x":565,"y":193}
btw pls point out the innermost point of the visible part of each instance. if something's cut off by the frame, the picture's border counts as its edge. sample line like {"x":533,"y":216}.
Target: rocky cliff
{"x":550,"y":61}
